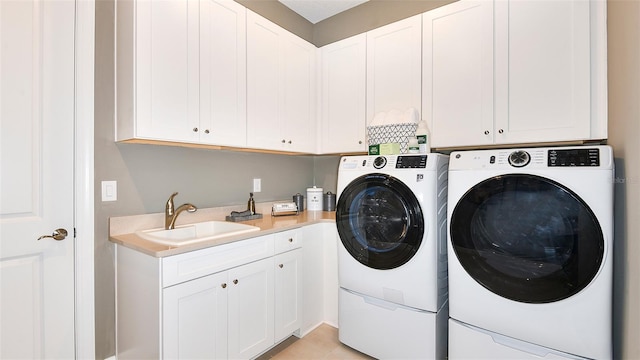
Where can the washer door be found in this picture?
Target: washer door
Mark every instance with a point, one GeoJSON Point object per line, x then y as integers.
{"type": "Point", "coordinates": [527, 238]}
{"type": "Point", "coordinates": [379, 221]}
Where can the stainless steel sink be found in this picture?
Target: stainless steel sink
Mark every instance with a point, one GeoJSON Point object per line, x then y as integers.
{"type": "Point", "coordinates": [193, 233]}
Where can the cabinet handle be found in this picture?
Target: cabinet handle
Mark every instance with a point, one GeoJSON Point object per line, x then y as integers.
{"type": "Point", "coordinates": [280, 266]}
{"type": "Point", "coordinates": [235, 282]}
{"type": "Point", "coordinates": [206, 131]}
{"type": "Point", "coordinates": [486, 132]}
{"type": "Point", "coordinates": [500, 131]}
{"type": "Point", "coordinates": [224, 285]}
{"type": "Point", "coordinates": [289, 141]}
{"type": "Point", "coordinates": [284, 141]}
{"type": "Point", "coordinates": [290, 240]}
{"type": "Point", "coordinates": [195, 129]}
{"type": "Point", "coordinates": [360, 142]}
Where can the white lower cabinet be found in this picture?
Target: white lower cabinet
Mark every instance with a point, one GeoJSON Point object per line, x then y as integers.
{"type": "Point", "coordinates": [224, 315]}
{"type": "Point", "coordinates": [232, 301]}
{"type": "Point", "coordinates": [194, 319]}
{"type": "Point", "coordinates": [288, 293]}
{"type": "Point", "coordinates": [250, 309]}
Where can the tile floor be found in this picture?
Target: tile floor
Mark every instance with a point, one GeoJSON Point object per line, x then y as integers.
{"type": "Point", "coordinates": [321, 344]}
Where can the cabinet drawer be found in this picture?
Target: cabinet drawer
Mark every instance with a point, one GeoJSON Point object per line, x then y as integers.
{"type": "Point", "coordinates": [287, 240]}
{"type": "Point", "coordinates": [187, 266]}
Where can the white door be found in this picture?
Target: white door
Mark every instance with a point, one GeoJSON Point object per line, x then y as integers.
{"type": "Point", "coordinates": [36, 179]}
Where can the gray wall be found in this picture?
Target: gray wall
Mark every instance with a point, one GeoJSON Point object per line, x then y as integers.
{"type": "Point", "coordinates": [624, 135]}
{"type": "Point", "coordinates": [148, 174]}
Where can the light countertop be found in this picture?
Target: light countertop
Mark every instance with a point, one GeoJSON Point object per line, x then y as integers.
{"type": "Point", "coordinates": [122, 230]}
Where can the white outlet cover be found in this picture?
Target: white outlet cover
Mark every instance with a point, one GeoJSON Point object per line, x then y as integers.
{"type": "Point", "coordinates": [257, 185]}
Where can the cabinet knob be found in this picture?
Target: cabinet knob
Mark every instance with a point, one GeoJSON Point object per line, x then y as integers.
{"type": "Point", "coordinates": [235, 282]}
{"type": "Point", "coordinates": [486, 132]}
{"type": "Point", "coordinates": [195, 129]}
{"type": "Point", "coordinates": [284, 141]}
{"type": "Point", "coordinates": [290, 240]}
{"type": "Point", "coordinates": [280, 266]}
{"type": "Point", "coordinates": [206, 131]}
{"type": "Point", "coordinates": [289, 141]}
{"type": "Point", "coordinates": [224, 285]}
{"type": "Point", "coordinates": [500, 131]}
{"type": "Point", "coordinates": [360, 142]}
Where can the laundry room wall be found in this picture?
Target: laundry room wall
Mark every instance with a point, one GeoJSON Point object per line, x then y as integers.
{"type": "Point", "coordinates": [148, 174]}
{"type": "Point", "coordinates": [624, 135]}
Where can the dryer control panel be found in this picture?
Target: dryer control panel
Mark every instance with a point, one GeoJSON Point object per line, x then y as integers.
{"type": "Point", "coordinates": [574, 157]}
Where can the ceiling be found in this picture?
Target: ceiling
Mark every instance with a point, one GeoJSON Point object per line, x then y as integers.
{"type": "Point", "coordinates": [318, 10]}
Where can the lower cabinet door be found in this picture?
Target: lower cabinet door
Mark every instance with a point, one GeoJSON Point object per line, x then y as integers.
{"type": "Point", "coordinates": [251, 302]}
{"type": "Point", "coordinates": [194, 319]}
{"type": "Point", "coordinates": [288, 293]}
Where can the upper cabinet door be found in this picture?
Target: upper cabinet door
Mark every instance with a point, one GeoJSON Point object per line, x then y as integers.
{"type": "Point", "coordinates": [281, 87]}
{"type": "Point", "coordinates": [223, 73]}
{"type": "Point", "coordinates": [299, 95]}
{"type": "Point", "coordinates": [264, 82]}
{"type": "Point", "coordinates": [343, 95]}
{"type": "Point", "coordinates": [394, 66]}
{"type": "Point", "coordinates": [543, 82]}
{"type": "Point", "coordinates": [166, 69]}
{"type": "Point", "coordinates": [458, 73]}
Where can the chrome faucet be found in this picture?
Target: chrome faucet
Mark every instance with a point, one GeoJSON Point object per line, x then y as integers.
{"type": "Point", "coordinates": [170, 215]}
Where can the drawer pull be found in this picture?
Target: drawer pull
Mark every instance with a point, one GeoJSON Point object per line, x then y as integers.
{"type": "Point", "coordinates": [280, 266]}
{"type": "Point", "coordinates": [235, 281]}
{"type": "Point", "coordinates": [290, 240]}
{"type": "Point", "coordinates": [224, 285]}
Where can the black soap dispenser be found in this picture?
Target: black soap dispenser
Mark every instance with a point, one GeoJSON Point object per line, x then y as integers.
{"type": "Point", "coordinates": [251, 204]}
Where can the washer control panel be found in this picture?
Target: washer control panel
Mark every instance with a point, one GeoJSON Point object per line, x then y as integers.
{"type": "Point", "coordinates": [574, 157]}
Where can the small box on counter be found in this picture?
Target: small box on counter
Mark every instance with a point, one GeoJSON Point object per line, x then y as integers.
{"type": "Point", "coordinates": [384, 149]}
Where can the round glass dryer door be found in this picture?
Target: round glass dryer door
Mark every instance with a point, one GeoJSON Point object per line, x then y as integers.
{"type": "Point", "coordinates": [527, 238]}
{"type": "Point", "coordinates": [379, 221]}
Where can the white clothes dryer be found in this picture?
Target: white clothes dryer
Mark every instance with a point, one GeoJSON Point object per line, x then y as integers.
{"type": "Point", "coordinates": [531, 246]}
{"type": "Point", "coordinates": [392, 270]}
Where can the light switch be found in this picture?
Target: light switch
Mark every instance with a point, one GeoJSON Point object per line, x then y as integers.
{"type": "Point", "coordinates": [257, 185]}
{"type": "Point", "coordinates": [109, 190]}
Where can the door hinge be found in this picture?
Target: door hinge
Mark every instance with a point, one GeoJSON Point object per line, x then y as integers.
{"type": "Point", "coordinates": [74, 233]}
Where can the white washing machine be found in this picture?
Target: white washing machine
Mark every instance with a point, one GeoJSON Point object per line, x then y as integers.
{"type": "Point", "coordinates": [530, 252]}
{"type": "Point", "coordinates": [392, 270]}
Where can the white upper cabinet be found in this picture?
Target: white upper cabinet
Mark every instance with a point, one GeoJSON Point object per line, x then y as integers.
{"type": "Point", "coordinates": [458, 73]}
{"type": "Point", "coordinates": [157, 70]}
{"type": "Point", "coordinates": [542, 79]}
{"type": "Point", "coordinates": [181, 73]}
{"type": "Point", "coordinates": [510, 72]}
{"type": "Point", "coordinates": [281, 87]}
{"type": "Point", "coordinates": [394, 66]}
{"type": "Point", "coordinates": [223, 73]}
{"type": "Point", "coordinates": [342, 98]}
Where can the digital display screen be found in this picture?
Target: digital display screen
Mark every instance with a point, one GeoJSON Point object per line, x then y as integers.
{"type": "Point", "coordinates": [574, 157]}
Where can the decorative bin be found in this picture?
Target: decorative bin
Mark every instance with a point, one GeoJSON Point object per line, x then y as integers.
{"type": "Point", "coordinates": [396, 133]}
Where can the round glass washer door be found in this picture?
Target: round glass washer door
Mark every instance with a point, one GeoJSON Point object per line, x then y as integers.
{"type": "Point", "coordinates": [527, 238]}
{"type": "Point", "coordinates": [379, 221]}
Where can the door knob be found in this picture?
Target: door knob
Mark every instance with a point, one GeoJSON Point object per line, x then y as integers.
{"type": "Point", "coordinates": [58, 234]}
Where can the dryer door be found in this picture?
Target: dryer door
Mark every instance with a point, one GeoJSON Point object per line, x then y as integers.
{"type": "Point", "coordinates": [527, 238]}
{"type": "Point", "coordinates": [380, 221]}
